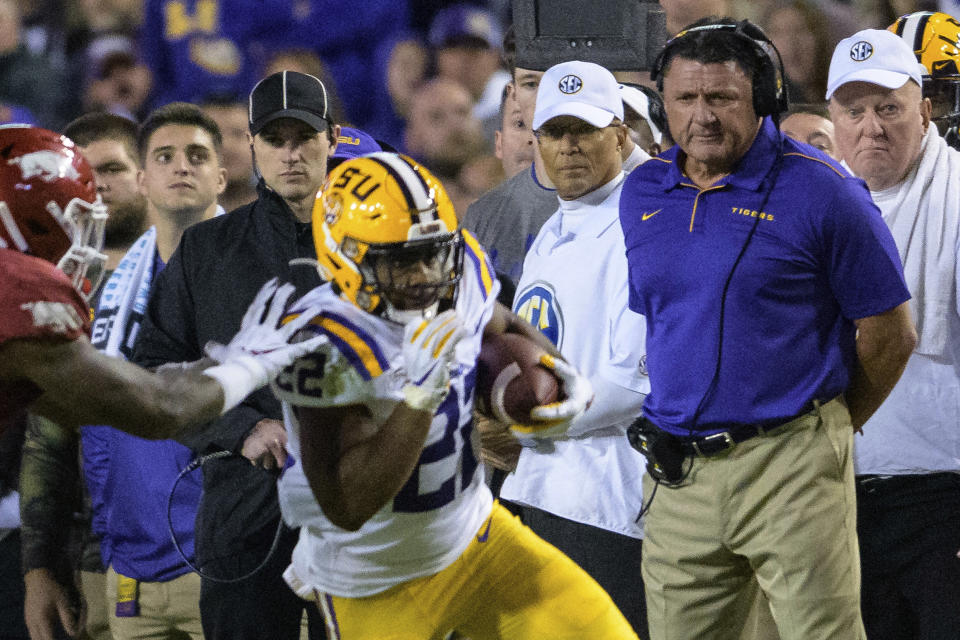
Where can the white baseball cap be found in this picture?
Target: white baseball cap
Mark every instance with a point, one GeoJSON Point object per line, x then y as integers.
{"type": "Point", "coordinates": [876, 56]}
{"type": "Point", "coordinates": [638, 101]}
{"type": "Point", "coordinates": [580, 89]}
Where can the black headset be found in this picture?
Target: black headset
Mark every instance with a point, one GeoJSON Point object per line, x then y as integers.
{"type": "Point", "coordinates": [769, 91]}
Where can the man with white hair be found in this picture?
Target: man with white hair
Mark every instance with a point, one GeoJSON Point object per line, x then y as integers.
{"type": "Point", "coordinates": [908, 461]}
{"type": "Point", "coordinates": [581, 492]}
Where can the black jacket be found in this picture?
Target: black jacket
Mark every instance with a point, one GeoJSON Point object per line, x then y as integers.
{"type": "Point", "coordinates": [200, 296]}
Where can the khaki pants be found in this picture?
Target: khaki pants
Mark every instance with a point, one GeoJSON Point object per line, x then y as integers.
{"type": "Point", "coordinates": [93, 588]}
{"type": "Point", "coordinates": [169, 610]}
{"type": "Point", "coordinates": [779, 508]}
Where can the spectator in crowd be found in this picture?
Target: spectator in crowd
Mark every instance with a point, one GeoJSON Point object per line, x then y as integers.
{"type": "Point", "coordinates": [120, 84]}
{"type": "Point", "coordinates": [580, 492]}
{"type": "Point", "coordinates": [15, 114]}
{"type": "Point", "coordinates": [441, 131]}
{"type": "Point", "coordinates": [356, 47]}
{"type": "Point", "coordinates": [800, 31]}
{"type": "Point", "coordinates": [406, 70]}
{"type": "Point", "coordinates": [109, 143]}
{"type": "Point", "coordinates": [198, 297]}
{"type": "Point", "coordinates": [632, 153]}
{"type": "Point", "coordinates": [680, 13]}
{"type": "Point", "coordinates": [230, 114]}
{"type": "Point", "coordinates": [480, 174]}
{"type": "Point", "coordinates": [152, 590]}
{"type": "Point", "coordinates": [811, 124]}
{"type": "Point", "coordinates": [513, 140]}
{"type": "Point", "coordinates": [198, 48]}
{"type": "Point", "coordinates": [51, 481]}
{"type": "Point", "coordinates": [935, 39]}
{"type": "Point", "coordinates": [645, 120]}
{"type": "Point", "coordinates": [27, 80]}
{"type": "Point", "coordinates": [182, 174]}
{"type": "Point", "coordinates": [506, 219]}
{"type": "Point", "coordinates": [908, 474]}
{"type": "Point", "coordinates": [385, 485]}
{"type": "Point", "coordinates": [466, 42]}
{"type": "Point", "coordinates": [352, 143]}
{"type": "Point", "coordinates": [748, 427]}
{"type": "Point", "coordinates": [64, 578]}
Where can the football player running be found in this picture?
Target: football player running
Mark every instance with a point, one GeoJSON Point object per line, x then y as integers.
{"type": "Point", "coordinates": [51, 234]}
{"type": "Point", "coordinates": [399, 535]}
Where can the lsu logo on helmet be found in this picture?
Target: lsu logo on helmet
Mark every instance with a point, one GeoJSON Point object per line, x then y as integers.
{"type": "Point", "coordinates": [387, 236]}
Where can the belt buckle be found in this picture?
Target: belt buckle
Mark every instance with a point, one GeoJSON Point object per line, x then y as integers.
{"type": "Point", "coordinates": [722, 436]}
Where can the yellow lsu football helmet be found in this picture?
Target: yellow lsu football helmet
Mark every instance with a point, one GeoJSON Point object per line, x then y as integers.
{"type": "Point", "coordinates": [935, 39]}
{"type": "Point", "coordinates": [387, 237]}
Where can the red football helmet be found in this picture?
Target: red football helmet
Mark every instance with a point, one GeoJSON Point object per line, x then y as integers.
{"type": "Point", "coordinates": [49, 207]}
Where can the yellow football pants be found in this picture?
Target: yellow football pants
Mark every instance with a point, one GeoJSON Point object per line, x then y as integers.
{"type": "Point", "coordinates": [507, 585]}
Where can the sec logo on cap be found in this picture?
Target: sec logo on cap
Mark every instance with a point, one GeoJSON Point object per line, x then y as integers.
{"type": "Point", "coordinates": [570, 84]}
{"type": "Point", "coordinates": [861, 51]}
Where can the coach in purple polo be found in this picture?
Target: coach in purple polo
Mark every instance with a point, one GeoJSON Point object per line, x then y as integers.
{"type": "Point", "coordinates": [776, 324]}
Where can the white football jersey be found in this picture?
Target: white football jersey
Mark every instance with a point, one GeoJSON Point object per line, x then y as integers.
{"type": "Point", "coordinates": [432, 519]}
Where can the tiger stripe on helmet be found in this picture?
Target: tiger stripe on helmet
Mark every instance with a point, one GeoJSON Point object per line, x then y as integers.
{"type": "Point", "coordinates": [415, 190]}
{"type": "Point", "coordinates": [911, 28]}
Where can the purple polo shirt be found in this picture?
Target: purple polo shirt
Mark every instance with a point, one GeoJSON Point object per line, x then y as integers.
{"type": "Point", "coordinates": [821, 257]}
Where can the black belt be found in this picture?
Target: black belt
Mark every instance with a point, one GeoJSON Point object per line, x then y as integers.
{"type": "Point", "coordinates": [725, 440]}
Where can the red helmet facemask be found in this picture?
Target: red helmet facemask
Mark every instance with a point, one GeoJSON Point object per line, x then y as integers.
{"type": "Point", "coordinates": [49, 207]}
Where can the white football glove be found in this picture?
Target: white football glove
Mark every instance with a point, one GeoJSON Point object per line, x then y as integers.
{"type": "Point", "coordinates": [428, 352]}
{"type": "Point", "coordinates": [260, 349]}
{"type": "Point", "coordinates": [553, 419]}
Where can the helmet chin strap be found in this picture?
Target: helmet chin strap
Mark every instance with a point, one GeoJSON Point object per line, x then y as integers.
{"type": "Point", "coordinates": [405, 316]}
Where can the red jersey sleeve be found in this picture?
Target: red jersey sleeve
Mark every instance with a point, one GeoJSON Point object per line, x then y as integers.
{"type": "Point", "coordinates": [38, 300]}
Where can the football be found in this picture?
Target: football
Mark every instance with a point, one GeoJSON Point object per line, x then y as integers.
{"type": "Point", "coordinates": [510, 379]}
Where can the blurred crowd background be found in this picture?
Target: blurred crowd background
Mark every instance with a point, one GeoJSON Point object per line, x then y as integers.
{"type": "Point", "coordinates": [424, 76]}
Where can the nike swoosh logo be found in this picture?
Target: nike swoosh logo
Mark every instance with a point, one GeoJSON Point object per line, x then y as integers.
{"type": "Point", "coordinates": [940, 65]}
{"type": "Point", "coordinates": [647, 216]}
{"type": "Point", "coordinates": [482, 537]}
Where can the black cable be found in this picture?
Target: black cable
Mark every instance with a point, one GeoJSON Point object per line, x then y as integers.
{"type": "Point", "coordinates": [775, 174]}
{"type": "Point", "coordinates": [194, 464]}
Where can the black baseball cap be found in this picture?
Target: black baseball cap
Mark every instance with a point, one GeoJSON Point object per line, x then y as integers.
{"type": "Point", "coordinates": [288, 94]}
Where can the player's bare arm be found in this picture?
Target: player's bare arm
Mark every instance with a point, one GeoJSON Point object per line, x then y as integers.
{"type": "Point", "coordinates": [354, 465]}
{"type": "Point", "coordinates": [81, 386]}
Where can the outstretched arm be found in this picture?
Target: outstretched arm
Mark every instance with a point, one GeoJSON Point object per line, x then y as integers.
{"type": "Point", "coordinates": [79, 385]}
{"type": "Point", "coordinates": [82, 386]}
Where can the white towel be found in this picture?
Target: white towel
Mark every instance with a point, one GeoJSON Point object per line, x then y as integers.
{"type": "Point", "coordinates": [124, 298]}
{"type": "Point", "coordinates": [924, 217]}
